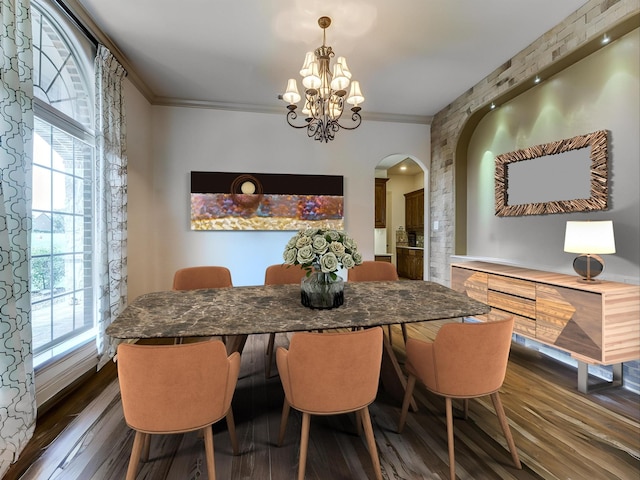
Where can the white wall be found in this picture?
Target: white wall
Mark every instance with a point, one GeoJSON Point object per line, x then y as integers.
{"type": "Point", "coordinates": [601, 92]}
{"type": "Point", "coordinates": [192, 139]}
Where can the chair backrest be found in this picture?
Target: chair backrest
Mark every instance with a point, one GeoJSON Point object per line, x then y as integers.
{"type": "Point", "coordinates": [372, 271]}
{"type": "Point", "coordinates": [168, 388]}
{"type": "Point", "coordinates": [283, 274]}
{"type": "Point", "coordinates": [331, 372]}
{"type": "Point", "coordinates": [471, 359]}
{"type": "Point", "coordinates": [193, 278]}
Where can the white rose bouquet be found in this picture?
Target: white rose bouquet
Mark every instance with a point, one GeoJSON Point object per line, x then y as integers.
{"type": "Point", "coordinates": [321, 250]}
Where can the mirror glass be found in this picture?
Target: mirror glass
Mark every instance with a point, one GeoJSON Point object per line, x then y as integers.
{"type": "Point", "coordinates": [564, 176]}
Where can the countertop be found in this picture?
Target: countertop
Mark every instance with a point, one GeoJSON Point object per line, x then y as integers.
{"type": "Point", "coordinates": [410, 248]}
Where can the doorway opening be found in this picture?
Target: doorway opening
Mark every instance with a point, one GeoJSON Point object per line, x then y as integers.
{"type": "Point", "coordinates": [404, 181]}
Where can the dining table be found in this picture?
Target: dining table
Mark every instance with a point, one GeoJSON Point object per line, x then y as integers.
{"type": "Point", "coordinates": [236, 312]}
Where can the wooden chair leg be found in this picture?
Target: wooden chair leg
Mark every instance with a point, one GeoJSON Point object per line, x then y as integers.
{"type": "Point", "coordinates": [358, 422]}
{"type": "Point", "coordinates": [231, 426]}
{"type": "Point", "coordinates": [465, 408]}
{"type": "Point", "coordinates": [146, 446]}
{"type": "Point", "coordinates": [405, 335]}
{"type": "Point", "coordinates": [208, 447]}
{"type": "Point", "coordinates": [269, 354]}
{"type": "Point", "coordinates": [497, 404]}
{"type": "Point", "coordinates": [411, 383]}
{"type": "Point", "coordinates": [389, 333]}
{"type": "Point", "coordinates": [304, 444]}
{"type": "Point", "coordinates": [138, 442]}
{"type": "Point", "coordinates": [371, 441]}
{"type": "Point", "coordinates": [283, 422]}
{"type": "Point", "coordinates": [452, 460]}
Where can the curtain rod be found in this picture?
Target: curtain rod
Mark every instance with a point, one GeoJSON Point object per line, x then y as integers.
{"type": "Point", "coordinates": [87, 33]}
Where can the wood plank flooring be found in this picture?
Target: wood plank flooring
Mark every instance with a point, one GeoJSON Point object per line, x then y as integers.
{"type": "Point", "coordinates": [559, 432]}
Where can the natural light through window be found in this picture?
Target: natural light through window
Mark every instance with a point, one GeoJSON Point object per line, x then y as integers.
{"type": "Point", "coordinates": [62, 238]}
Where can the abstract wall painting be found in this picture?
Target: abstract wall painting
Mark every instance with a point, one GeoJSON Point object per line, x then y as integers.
{"type": "Point", "coordinates": [265, 201]}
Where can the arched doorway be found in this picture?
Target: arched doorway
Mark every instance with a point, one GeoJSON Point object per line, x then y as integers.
{"type": "Point", "coordinates": [406, 176]}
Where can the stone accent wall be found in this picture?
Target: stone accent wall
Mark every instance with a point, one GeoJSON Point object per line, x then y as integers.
{"type": "Point", "coordinates": [584, 25]}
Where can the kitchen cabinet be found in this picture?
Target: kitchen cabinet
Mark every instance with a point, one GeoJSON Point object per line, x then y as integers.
{"type": "Point", "coordinates": [381, 203]}
{"type": "Point", "coordinates": [414, 211]}
{"type": "Point", "coordinates": [382, 258]}
{"type": "Point", "coordinates": [410, 263]}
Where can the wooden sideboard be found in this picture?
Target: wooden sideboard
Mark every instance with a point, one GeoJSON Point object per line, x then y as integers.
{"type": "Point", "coordinates": [595, 323]}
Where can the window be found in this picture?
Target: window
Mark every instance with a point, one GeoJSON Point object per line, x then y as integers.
{"type": "Point", "coordinates": [63, 235]}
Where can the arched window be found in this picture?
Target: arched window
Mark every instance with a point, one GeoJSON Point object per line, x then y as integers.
{"type": "Point", "coordinates": [62, 239]}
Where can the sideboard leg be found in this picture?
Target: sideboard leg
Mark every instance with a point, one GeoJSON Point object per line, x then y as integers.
{"type": "Point", "coordinates": [583, 378]}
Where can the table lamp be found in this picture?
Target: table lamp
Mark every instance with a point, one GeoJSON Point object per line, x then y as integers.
{"type": "Point", "coordinates": [588, 239]}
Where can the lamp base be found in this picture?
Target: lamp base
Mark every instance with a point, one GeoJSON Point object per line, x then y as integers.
{"type": "Point", "coordinates": [588, 266]}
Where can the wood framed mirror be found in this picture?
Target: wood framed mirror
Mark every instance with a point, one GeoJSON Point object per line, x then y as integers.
{"type": "Point", "coordinates": [568, 175]}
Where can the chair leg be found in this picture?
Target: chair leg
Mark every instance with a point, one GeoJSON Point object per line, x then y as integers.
{"type": "Point", "coordinates": [283, 422]}
{"type": "Point", "coordinates": [208, 447]}
{"type": "Point", "coordinates": [358, 422]}
{"type": "Point", "coordinates": [465, 408]}
{"type": "Point", "coordinates": [389, 333]}
{"type": "Point", "coordinates": [497, 404]}
{"type": "Point", "coordinates": [304, 444]}
{"type": "Point", "coordinates": [371, 441]}
{"type": "Point", "coordinates": [269, 354]}
{"type": "Point", "coordinates": [231, 426]}
{"type": "Point", "coordinates": [405, 335]}
{"type": "Point", "coordinates": [146, 446]}
{"type": "Point", "coordinates": [452, 460]}
{"type": "Point", "coordinates": [411, 383]}
{"type": "Point", "coordinates": [138, 442]}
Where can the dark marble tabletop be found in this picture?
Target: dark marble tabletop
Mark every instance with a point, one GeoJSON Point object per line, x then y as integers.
{"type": "Point", "coordinates": [277, 308]}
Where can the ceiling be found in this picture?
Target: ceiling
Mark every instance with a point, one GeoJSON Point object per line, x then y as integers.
{"type": "Point", "coordinates": [412, 57]}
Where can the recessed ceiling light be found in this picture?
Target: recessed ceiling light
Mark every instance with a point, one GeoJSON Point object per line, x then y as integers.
{"type": "Point", "coordinates": [493, 105]}
{"type": "Point", "coordinates": [605, 39]}
{"type": "Point", "coordinates": [537, 79]}
{"type": "Point", "coordinates": [403, 167]}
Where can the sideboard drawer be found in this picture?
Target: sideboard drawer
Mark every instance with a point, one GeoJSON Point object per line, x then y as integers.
{"type": "Point", "coordinates": [522, 325]}
{"type": "Point", "coordinates": [514, 286]}
{"type": "Point", "coordinates": [513, 304]}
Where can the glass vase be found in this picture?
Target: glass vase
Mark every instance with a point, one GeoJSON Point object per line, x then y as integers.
{"type": "Point", "coordinates": [320, 291]}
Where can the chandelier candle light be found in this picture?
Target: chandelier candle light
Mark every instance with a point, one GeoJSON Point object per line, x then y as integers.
{"type": "Point", "coordinates": [325, 91]}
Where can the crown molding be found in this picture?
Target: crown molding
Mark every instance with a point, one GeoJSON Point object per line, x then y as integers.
{"type": "Point", "coordinates": [83, 17]}
{"type": "Point", "coordinates": [278, 110]}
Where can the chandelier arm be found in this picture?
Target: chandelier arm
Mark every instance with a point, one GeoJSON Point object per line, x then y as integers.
{"type": "Point", "coordinates": [355, 116]}
{"type": "Point", "coordinates": [292, 115]}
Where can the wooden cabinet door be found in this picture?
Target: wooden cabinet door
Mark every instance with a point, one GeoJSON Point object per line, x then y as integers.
{"type": "Point", "coordinates": [381, 202]}
{"type": "Point", "coordinates": [414, 211]}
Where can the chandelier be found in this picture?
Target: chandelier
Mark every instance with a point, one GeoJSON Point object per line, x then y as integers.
{"type": "Point", "coordinates": [325, 92]}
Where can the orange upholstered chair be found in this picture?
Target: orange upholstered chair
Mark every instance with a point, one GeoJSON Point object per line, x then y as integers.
{"type": "Point", "coordinates": [372, 271]}
{"type": "Point", "coordinates": [466, 360]}
{"type": "Point", "coordinates": [193, 278]}
{"type": "Point", "coordinates": [331, 373]}
{"type": "Point", "coordinates": [280, 274]}
{"type": "Point", "coordinates": [176, 389]}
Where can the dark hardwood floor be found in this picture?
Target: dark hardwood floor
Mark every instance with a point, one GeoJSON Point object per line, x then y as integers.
{"type": "Point", "coordinates": [559, 432]}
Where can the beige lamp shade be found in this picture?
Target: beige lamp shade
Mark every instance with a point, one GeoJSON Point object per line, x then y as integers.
{"type": "Point", "coordinates": [291, 96]}
{"type": "Point", "coordinates": [355, 94]}
{"type": "Point", "coordinates": [593, 237]}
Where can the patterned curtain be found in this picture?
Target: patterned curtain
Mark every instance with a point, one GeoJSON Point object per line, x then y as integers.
{"type": "Point", "coordinates": [17, 390]}
{"type": "Point", "coordinates": [111, 196]}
